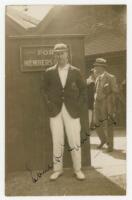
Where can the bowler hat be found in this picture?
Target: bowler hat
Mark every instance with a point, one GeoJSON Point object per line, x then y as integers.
{"type": "Point", "coordinates": [60, 47]}
{"type": "Point", "coordinates": [100, 62]}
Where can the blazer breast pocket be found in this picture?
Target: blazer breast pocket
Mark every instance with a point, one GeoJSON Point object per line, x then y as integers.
{"type": "Point", "coordinates": [74, 86]}
{"type": "Point", "coordinates": [107, 89]}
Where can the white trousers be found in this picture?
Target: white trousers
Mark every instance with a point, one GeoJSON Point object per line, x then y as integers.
{"type": "Point", "coordinates": [72, 128]}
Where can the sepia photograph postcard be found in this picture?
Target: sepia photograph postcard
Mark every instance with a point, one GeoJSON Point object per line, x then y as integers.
{"type": "Point", "coordinates": [65, 99]}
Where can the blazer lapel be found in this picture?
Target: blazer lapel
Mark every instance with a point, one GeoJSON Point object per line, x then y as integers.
{"type": "Point", "coordinates": [69, 75]}
{"type": "Point", "coordinates": [104, 79]}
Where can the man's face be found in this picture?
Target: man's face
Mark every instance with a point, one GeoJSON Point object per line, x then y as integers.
{"type": "Point", "coordinates": [98, 70]}
{"type": "Point", "coordinates": [61, 57]}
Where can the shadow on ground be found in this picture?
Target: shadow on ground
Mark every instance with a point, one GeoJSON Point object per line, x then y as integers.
{"type": "Point", "coordinates": [20, 184]}
{"type": "Point", "coordinates": [117, 153]}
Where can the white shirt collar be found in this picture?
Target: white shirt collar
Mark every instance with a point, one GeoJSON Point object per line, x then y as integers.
{"type": "Point", "coordinates": [64, 68]}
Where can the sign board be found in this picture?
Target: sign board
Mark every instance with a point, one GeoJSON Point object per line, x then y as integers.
{"type": "Point", "coordinates": [36, 58]}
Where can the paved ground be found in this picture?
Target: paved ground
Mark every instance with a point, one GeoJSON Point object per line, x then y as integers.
{"type": "Point", "coordinates": [107, 176]}
{"type": "Point", "coordinates": [112, 165]}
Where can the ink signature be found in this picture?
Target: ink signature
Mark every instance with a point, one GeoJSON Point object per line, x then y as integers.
{"type": "Point", "coordinates": [57, 158]}
{"type": "Point", "coordinates": [40, 173]}
{"type": "Point", "coordinates": [83, 140]}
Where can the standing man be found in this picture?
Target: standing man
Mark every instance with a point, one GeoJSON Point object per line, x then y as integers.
{"type": "Point", "coordinates": [65, 93]}
{"type": "Point", "coordinates": [104, 104]}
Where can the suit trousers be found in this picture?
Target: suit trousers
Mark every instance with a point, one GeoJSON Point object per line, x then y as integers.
{"type": "Point", "coordinates": [104, 123]}
{"type": "Point", "coordinates": [106, 136]}
{"type": "Point", "coordinates": [63, 121]}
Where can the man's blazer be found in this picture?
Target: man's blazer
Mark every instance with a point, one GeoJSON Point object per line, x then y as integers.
{"type": "Point", "coordinates": [73, 95]}
{"type": "Point", "coordinates": [106, 89]}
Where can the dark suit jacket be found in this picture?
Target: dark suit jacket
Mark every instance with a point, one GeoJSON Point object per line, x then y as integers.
{"type": "Point", "coordinates": [90, 94]}
{"type": "Point", "coordinates": [105, 93]}
{"type": "Point", "coordinates": [72, 95]}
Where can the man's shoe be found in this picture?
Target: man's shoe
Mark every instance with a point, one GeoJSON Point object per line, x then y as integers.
{"type": "Point", "coordinates": [109, 149]}
{"type": "Point", "coordinates": [101, 145]}
{"type": "Point", "coordinates": [55, 175]}
{"type": "Point", "coordinates": [80, 175]}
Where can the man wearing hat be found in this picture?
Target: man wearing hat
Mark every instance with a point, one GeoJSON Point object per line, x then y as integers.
{"type": "Point", "coordinates": [65, 93]}
{"type": "Point", "coordinates": [104, 103]}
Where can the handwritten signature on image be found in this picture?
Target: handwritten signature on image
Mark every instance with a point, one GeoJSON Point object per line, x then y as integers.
{"type": "Point", "coordinates": [57, 158]}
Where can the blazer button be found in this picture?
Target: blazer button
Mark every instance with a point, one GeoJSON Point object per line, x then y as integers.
{"type": "Point", "coordinates": [63, 90]}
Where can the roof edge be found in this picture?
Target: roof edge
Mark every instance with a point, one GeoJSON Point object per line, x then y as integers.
{"type": "Point", "coordinates": [45, 36]}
